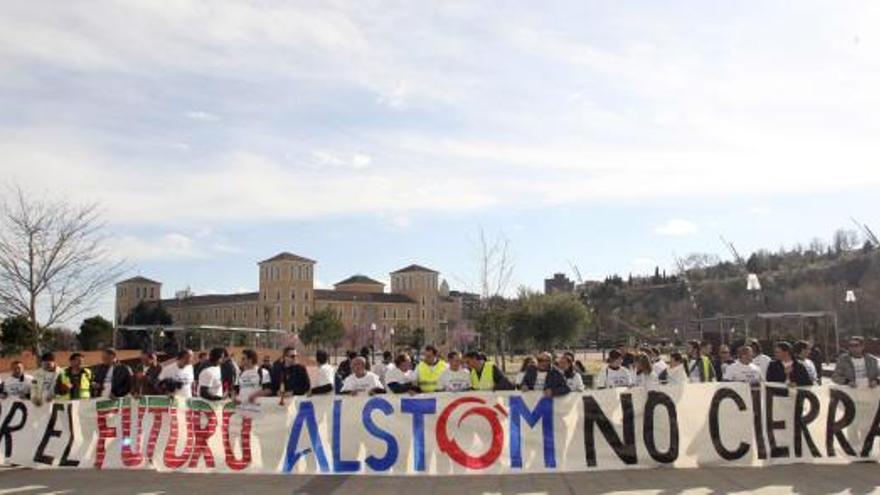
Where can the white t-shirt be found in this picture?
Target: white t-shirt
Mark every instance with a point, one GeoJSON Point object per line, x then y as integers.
{"type": "Point", "coordinates": [396, 375]}
{"type": "Point", "coordinates": [455, 381]}
{"type": "Point", "coordinates": [610, 378]}
{"type": "Point", "coordinates": [741, 372]}
{"type": "Point", "coordinates": [860, 369]}
{"type": "Point", "coordinates": [252, 381]}
{"type": "Point", "coordinates": [210, 377]}
{"type": "Point", "coordinates": [183, 375]}
{"type": "Point", "coordinates": [369, 381]}
{"type": "Point", "coordinates": [575, 382]}
{"type": "Point", "coordinates": [762, 361]}
{"type": "Point", "coordinates": [519, 378]}
{"type": "Point", "coordinates": [645, 379]}
{"type": "Point", "coordinates": [381, 369]}
{"type": "Point", "coordinates": [811, 370]}
{"type": "Point", "coordinates": [18, 388]}
{"type": "Point", "coordinates": [676, 375]}
{"type": "Point", "coordinates": [660, 366]}
{"type": "Point", "coordinates": [44, 384]}
{"type": "Point", "coordinates": [540, 379]}
{"type": "Point", "coordinates": [326, 375]}
{"type": "Point", "coordinates": [108, 383]}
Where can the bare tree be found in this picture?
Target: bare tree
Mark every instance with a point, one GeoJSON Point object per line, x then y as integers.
{"type": "Point", "coordinates": [54, 260]}
{"type": "Point", "coordinates": [495, 267]}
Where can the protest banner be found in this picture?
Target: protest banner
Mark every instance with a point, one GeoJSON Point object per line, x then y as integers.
{"type": "Point", "coordinates": [725, 424]}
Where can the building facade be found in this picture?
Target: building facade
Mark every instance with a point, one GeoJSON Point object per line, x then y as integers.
{"type": "Point", "coordinates": [287, 296]}
{"type": "Point", "coordinates": [559, 283]}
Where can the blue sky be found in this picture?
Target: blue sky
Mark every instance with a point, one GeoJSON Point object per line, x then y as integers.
{"type": "Point", "coordinates": [369, 135]}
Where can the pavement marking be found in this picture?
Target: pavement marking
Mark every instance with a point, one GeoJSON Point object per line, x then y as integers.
{"type": "Point", "coordinates": [25, 488]}
{"type": "Point", "coordinates": [59, 492]}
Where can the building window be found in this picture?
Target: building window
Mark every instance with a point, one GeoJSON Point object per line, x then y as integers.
{"type": "Point", "coordinates": [395, 313]}
{"type": "Point", "coordinates": [293, 294]}
{"type": "Point", "coordinates": [306, 295]}
{"type": "Point", "coordinates": [408, 314]}
{"type": "Point", "coordinates": [299, 272]}
{"type": "Point", "coordinates": [384, 313]}
{"type": "Point", "coordinates": [152, 292]}
{"type": "Point", "coordinates": [423, 314]}
{"type": "Point", "coordinates": [278, 311]}
{"type": "Point", "coordinates": [292, 310]}
{"type": "Point", "coordinates": [277, 295]}
{"type": "Point", "coordinates": [292, 328]}
{"type": "Point", "coordinates": [277, 325]}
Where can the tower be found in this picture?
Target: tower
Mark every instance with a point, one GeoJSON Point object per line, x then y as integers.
{"type": "Point", "coordinates": [420, 284]}
{"type": "Point", "coordinates": [287, 289]}
{"type": "Point", "coordinates": [133, 291]}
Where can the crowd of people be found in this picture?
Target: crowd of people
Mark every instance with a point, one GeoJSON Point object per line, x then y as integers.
{"type": "Point", "coordinates": [216, 375]}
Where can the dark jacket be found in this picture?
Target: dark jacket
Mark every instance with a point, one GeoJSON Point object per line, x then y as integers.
{"type": "Point", "coordinates": [554, 382]}
{"type": "Point", "coordinates": [295, 379]}
{"type": "Point", "coordinates": [120, 382]}
{"type": "Point", "coordinates": [799, 374]}
{"type": "Point", "coordinates": [147, 381]}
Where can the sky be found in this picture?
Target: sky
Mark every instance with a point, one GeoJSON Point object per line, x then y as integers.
{"type": "Point", "coordinates": [370, 135]}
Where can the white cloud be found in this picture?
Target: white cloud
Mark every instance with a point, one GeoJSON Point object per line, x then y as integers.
{"type": "Point", "coordinates": [676, 227]}
{"type": "Point", "coordinates": [167, 246]}
{"type": "Point", "coordinates": [354, 161]}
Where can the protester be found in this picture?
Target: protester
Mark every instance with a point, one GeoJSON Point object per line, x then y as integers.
{"type": "Point", "coordinates": [201, 364]}
{"type": "Point", "coordinates": [801, 352]}
{"type": "Point", "coordinates": [455, 378]}
{"type": "Point", "coordinates": [722, 361]}
{"type": "Point", "coordinates": [614, 374]}
{"type": "Point", "coordinates": [45, 378]}
{"type": "Point", "coordinates": [760, 359]}
{"type": "Point", "coordinates": [743, 369]}
{"type": "Point", "coordinates": [253, 381]}
{"type": "Point", "coordinates": [429, 370]}
{"type": "Point", "coordinates": [361, 381]}
{"type": "Point", "coordinates": [786, 369]}
{"type": "Point", "coordinates": [382, 367]}
{"type": "Point", "coordinates": [326, 382]}
{"type": "Point", "coordinates": [486, 375]}
{"type": "Point", "coordinates": [229, 372]}
{"type": "Point", "coordinates": [75, 381]}
{"type": "Point", "coordinates": [211, 377]}
{"type": "Point", "coordinates": [401, 378]}
{"type": "Point", "coordinates": [676, 373]}
{"type": "Point", "coordinates": [569, 370]}
{"type": "Point", "coordinates": [289, 377]}
{"type": "Point", "coordinates": [700, 366]}
{"type": "Point", "coordinates": [112, 378]}
{"type": "Point", "coordinates": [18, 385]}
{"type": "Point", "coordinates": [660, 365]}
{"type": "Point", "coordinates": [146, 380]}
{"type": "Point", "coordinates": [267, 363]}
{"type": "Point", "coordinates": [177, 378]}
{"type": "Point", "coordinates": [818, 359]}
{"type": "Point", "coordinates": [344, 368]}
{"type": "Point", "coordinates": [644, 372]}
{"type": "Point", "coordinates": [528, 362]}
{"type": "Point", "coordinates": [855, 367]}
{"type": "Point", "coordinates": [545, 377]}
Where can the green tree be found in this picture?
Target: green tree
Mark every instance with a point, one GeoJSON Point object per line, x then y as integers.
{"type": "Point", "coordinates": [16, 335]}
{"type": "Point", "coordinates": [323, 327]}
{"type": "Point", "coordinates": [94, 332]}
{"type": "Point", "coordinates": [549, 320]}
{"type": "Point", "coordinates": [148, 313]}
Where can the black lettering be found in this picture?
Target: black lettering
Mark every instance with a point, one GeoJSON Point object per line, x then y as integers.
{"type": "Point", "coordinates": [801, 432]}
{"type": "Point", "coordinates": [66, 461]}
{"type": "Point", "coordinates": [834, 428]}
{"type": "Point", "coordinates": [758, 421]}
{"type": "Point", "coordinates": [873, 433]}
{"type": "Point", "coordinates": [776, 451]}
{"type": "Point", "coordinates": [655, 400]}
{"type": "Point", "coordinates": [715, 425]}
{"type": "Point", "coordinates": [593, 416]}
{"type": "Point", "coordinates": [50, 432]}
{"type": "Point", "coordinates": [7, 428]}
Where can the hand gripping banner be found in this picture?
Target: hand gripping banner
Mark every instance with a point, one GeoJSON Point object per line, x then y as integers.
{"type": "Point", "coordinates": [469, 433]}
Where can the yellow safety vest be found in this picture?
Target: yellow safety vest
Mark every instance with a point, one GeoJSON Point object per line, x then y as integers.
{"type": "Point", "coordinates": [429, 376]}
{"type": "Point", "coordinates": [486, 379]}
{"type": "Point", "coordinates": [85, 381]}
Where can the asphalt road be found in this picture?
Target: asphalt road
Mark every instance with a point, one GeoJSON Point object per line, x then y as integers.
{"type": "Point", "coordinates": [852, 479]}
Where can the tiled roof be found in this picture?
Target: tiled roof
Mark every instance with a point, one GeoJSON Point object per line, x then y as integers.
{"type": "Point", "coordinates": [415, 268]}
{"type": "Point", "coordinates": [211, 299]}
{"type": "Point", "coordinates": [376, 297]}
{"type": "Point", "coordinates": [286, 256]}
{"type": "Point", "coordinates": [138, 280]}
{"type": "Point", "coordinates": [359, 279]}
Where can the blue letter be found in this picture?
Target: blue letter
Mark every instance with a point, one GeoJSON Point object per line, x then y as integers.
{"type": "Point", "coordinates": [544, 412]}
{"type": "Point", "coordinates": [339, 465]}
{"type": "Point", "coordinates": [418, 408]}
{"type": "Point", "coordinates": [305, 415]}
{"type": "Point", "coordinates": [380, 463]}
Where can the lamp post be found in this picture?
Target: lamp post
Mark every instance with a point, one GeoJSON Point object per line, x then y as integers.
{"type": "Point", "coordinates": [852, 302]}
{"type": "Point", "coordinates": [372, 343]}
{"type": "Point", "coordinates": [391, 334]}
{"type": "Point", "coordinates": [753, 286]}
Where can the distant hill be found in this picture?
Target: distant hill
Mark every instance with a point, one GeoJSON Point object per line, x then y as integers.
{"type": "Point", "coordinates": [812, 278]}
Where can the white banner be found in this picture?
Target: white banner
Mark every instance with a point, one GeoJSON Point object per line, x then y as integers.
{"type": "Point", "coordinates": [470, 433]}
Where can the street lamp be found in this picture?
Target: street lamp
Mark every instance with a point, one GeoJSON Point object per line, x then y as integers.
{"type": "Point", "coordinates": [373, 342]}
{"type": "Point", "coordinates": [850, 297]}
{"type": "Point", "coordinates": [391, 334]}
{"type": "Point", "coordinates": [753, 283]}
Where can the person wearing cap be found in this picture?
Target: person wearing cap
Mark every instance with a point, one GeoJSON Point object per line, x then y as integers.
{"type": "Point", "coordinates": [289, 377]}
{"type": "Point", "coordinates": [75, 381]}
